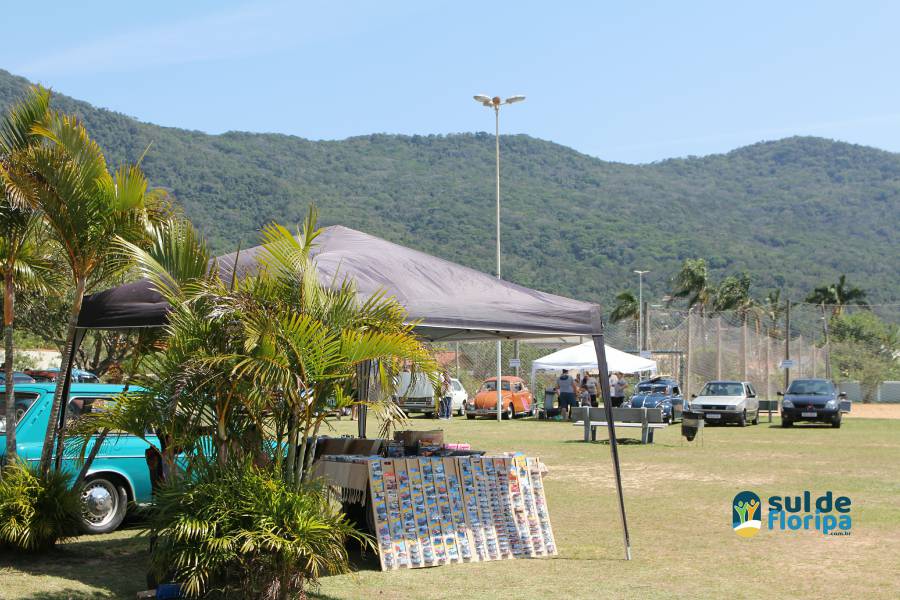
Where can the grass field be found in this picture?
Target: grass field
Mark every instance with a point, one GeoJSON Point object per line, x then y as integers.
{"type": "Point", "coordinates": [678, 498]}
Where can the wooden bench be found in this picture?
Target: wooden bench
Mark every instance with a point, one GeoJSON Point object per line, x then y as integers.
{"type": "Point", "coordinates": [648, 419]}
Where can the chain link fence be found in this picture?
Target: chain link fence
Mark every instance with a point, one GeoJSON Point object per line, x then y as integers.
{"type": "Point", "coordinates": [856, 346]}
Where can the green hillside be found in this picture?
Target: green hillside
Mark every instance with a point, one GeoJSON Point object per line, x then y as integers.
{"type": "Point", "coordinates": [794, 213]}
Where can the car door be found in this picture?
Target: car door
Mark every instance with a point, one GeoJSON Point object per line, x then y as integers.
{"type": "Point", "coordinates": [677, 402]}
{"type": "Point", "coordinates": [458, 395]}
{"type": "Point", "coordinates": [752, 400]}
{"type": "Point", "coordinates": [121, 453]}
{"type": "Point", "coordinates": [527, 399]}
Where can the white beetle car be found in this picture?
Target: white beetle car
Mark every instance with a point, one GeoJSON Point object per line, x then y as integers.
{"type": "Point", "coordinates": [723, 401]}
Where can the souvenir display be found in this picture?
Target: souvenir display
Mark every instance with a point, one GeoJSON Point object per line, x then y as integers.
{"type": "Point", "coordinates": [430, 511]}
{"type": "Point", "coordinates": [407, 515]}
{"type": "Point", "coordinates": [540, 503]}
{"type": "Point", "coordinates": [380, 512]}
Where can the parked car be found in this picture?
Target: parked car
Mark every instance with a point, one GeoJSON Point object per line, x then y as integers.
{"type": "Point", "coordinates": [659, 392]}
{"type": "Point", "coordinates": [50, 375]}
{"type": "Point", "coordinates": [723, 401]}
{"type": "Point", "coordinates": [415, 394]}
{"type": "Point", "coordinates": [459, 397]}
{"type": "Point", "coordinates": [119, 474]}
{"type": "Point", "coordinates": [516, 399]}
{"type": "Point", "coordinates": [816, 400]}
{"type": "Point", "coordinates": [18, 377]}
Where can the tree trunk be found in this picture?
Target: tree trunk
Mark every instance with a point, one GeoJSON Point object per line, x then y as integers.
{"type": "Point", "coordinates": [293, 424]}
{"type": "Point", "coordinates": [52, 423]}
{"type": "Point", "coordinates": [9, 297]}
{"type": "Point", "coordinates": [95, 449]}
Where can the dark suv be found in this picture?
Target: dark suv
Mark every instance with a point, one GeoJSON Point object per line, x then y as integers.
{"type": "Point", "coordinates": [659, 392]}
{"type": "Point", "coordinates": [816, 400]}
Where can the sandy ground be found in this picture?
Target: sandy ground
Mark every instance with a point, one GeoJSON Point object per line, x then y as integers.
{"type": "Point", "coordinates": [875, 411]}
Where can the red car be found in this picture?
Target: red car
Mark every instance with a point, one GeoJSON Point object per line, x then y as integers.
{"type": "Point", "coordinates": [516, 399]}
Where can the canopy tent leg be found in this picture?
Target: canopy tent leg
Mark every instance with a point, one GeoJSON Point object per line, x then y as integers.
{"type": "Point", "coordinates": [64, 404]}
{"type": "Point", "coordinates": [600, 348]}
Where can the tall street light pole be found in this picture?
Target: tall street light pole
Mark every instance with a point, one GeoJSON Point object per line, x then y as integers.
{"type": "Point", "coordinates": [496, 103]}
{"type": "Point", "coordinates": [640, 343]}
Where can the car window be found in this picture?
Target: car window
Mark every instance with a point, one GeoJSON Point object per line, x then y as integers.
{"type": "Point", "coordinates": [811, 387]}
{"type": "Point", "coordinates": [491, 386]}
{"type": "Point", "coordinates": [751, 392]}
{"type": "Point", "coordinates": [676, 391]}
{"type": "Point", "coordinates": [456, 385]}
{"type": "Point", "coordinates": [83, 405]}
{"type": "Point", "coordinates": [722, 388]}
{"type": "Point", "coordinates": [24, 401]}
{"type": "Point", "coordinates": [518, 387]}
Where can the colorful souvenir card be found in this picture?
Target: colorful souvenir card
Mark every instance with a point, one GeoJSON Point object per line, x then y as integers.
{"type": "Point", "coordinates": [407, 515]}
{"type": "Point", "coordinates": [423, 530]}
{"type": "Point", "coordinates": [380, 516]}
{"type": "Point", "coordinates": [458, 511]}
{"type": "Point", "coordinates": [433, 511]}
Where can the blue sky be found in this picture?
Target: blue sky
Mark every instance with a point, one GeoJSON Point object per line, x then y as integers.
{"type": "Point", "coordinates": [625, 81]}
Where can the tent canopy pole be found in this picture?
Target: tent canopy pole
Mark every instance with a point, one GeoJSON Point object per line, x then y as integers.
{"type": "Point", "coordinates": [600, 347]}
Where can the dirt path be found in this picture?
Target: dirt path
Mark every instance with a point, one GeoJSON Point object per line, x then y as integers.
{"type": "Point", "coordinates": [875, 411]}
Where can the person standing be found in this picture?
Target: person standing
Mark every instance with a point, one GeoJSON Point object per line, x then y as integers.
{"type": "Point", "coordinates": [592, 385]}
{"type": "Point", "coordinates": [445, 411]}
{"type": "Point", "coordinates": [565, 387]}
{"type": "Point", "coordinates": [617, 385]}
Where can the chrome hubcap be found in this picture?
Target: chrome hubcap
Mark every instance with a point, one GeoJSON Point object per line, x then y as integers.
{"type": "Point", "coordinates": [99, 502]}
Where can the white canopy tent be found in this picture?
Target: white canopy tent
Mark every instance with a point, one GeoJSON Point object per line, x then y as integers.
{"type": "Point", "coordinates": [583, 356]}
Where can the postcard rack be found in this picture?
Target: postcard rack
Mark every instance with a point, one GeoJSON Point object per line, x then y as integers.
{"type": "Point", "coordinates": [431, 511]}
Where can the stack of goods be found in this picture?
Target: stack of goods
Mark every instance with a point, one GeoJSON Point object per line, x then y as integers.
{"type": "Point", "coordinates": [433, 511]}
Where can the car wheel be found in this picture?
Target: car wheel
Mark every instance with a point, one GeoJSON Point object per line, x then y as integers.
{"type": "Point", "coordinates": [510, 412]}
{"type": "Point", "coordinates": [755, 420]}
{"type": "Point", "coordinates": [836, 423]}
{"type": "Point", "coordinates": [470, 417]}
{"type": "Point", "coordinates": [459, 412]}
{"type": "Point", "coordinates": [103, 505]}
{"type": "Point", "coordinates": [743, 420]}
{"type": "Point", "coordinates": [429, 415]}
{"type": "Point", "coordinates": [786, 423]}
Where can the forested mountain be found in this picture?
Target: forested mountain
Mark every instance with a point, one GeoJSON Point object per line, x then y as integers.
{"type": "Point", "coordinates": [794, 213]}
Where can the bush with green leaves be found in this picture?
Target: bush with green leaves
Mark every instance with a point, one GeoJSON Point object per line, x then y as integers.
{"type": "Point", "coordinates": [37, 510]}
{"type": "Point", "coordinates": [240, 531]}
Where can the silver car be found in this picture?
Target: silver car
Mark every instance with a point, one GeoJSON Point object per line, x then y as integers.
{"type": "Point", "coordinates": [724, 401]}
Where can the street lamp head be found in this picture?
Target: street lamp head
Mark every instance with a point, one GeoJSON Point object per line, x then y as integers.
{"type": "Point", "coordinates": [642, 272]}
{"type": "Point", "coordinates": [483, 98]}
{"type": "Point", "coordinates": [512, 99]}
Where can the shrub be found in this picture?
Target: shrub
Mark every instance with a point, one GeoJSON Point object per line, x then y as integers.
{"type": "Point", "coordinates": [36, 510]}
{"type": "Point", "coordinates": [239, 531]}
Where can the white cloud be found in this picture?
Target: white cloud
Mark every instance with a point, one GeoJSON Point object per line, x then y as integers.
{"type": "Point", "coordinates": [250, 30]}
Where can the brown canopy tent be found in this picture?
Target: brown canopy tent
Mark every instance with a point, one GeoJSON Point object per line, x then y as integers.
{"type": "Point", "coordinates": [447, 302]}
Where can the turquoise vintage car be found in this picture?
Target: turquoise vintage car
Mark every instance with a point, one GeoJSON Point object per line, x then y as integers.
{"type": "Point", "coordinates": [119, 474]}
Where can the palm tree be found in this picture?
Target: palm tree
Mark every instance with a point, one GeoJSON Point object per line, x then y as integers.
{"type": "Point", "coordinates": [838, 296]}
{"type": "Point", "coordinates": [772, 308]}
{"type": "Point", "coordinates": [254, 366]}
{"type": "Point", "coordinates": [692, 282]}
{"type": "Point", "coordinates": [627, 307]}
{"type": "Point", "coordinates": [733, 293]}
{"type": "Point", "coordinates": [25, 260]}
{"type": "Point", "coordinates": [85, 208]}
